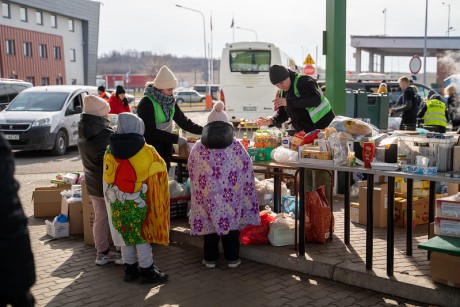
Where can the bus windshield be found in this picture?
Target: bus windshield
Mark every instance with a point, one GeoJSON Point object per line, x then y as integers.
{"type": "Point", "coordinates": [250, 61]}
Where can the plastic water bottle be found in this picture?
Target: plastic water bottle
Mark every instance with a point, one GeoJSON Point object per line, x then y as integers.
{"type": "Point", "coordinates": [245, 141]}
{"type": "Point", "coordinates": [286, 141]}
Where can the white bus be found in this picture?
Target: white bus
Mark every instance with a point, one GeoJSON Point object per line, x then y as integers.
{"type": "Point", "coordinates": [245, 86]}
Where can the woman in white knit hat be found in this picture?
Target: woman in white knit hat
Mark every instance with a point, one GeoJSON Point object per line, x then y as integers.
{"type": "Point", "coordinates": [158, 109]}
{"type": "Point", "coordinates": [223, 190]}
{"type": "Point", "coordinates": [93, 137]}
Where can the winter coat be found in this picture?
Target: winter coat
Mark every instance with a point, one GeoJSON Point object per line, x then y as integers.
{"type": "Point", "coordinates": [17, 267]}
{"type": "Point", "coordinates": [117, 105]}
{"type": "Point", "coordinates": [406, 104]}
{"type": "Point", "coordinates": [222, 183]}
{"type": "Point", "coordinates": [296, 108]}
{"type": "Point", "coordinates": [93, 138]}
{"type": "Point", "coordinates": [136, 191]}
{"type": "Point", "coordinates": [162, 140]}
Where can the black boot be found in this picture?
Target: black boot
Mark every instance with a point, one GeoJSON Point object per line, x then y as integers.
{"type": "Point", "coordinates": [152, 275]}
{"type": "Point", "coordinates": [131, 272]}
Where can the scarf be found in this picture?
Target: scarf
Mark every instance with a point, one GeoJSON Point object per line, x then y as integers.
{"type": "Point", "coordinates": [166, 102]}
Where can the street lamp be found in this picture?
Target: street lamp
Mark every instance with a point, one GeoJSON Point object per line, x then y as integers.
{"type": "Point", "coordinates": [241, 28]}
{"type": "Point", "coordinates": [448, 19]}
{"type": "Point", "coordinates": [204, 36]}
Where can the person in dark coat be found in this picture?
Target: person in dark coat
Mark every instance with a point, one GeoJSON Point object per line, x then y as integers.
{"type": "Point", "coordinates": [300, 99]}
{"type": "Point", "coordinates": [93, 137]}
{"type": "Point", "coordinates": [17, 266]}
{"type": "Point", "coordinates": [406, 104]}
{"type": "Point", "coordinates": [158, 109]}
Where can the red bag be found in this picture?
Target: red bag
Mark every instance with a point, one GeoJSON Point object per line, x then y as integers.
{"type": "Point", "coordinates": [252, 234]}
{"type": "Point", "coordinates": [318, 216]}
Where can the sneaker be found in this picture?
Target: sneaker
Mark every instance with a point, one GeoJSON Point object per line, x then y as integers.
{"type": "Point", "coordinates": [102, 258]}
{"type": "Point", "coordinates": [209, 264]}
{"type": "Point", "coordinates": [119, 260]}
{"type": "Point", "coordinates": [234, 264]}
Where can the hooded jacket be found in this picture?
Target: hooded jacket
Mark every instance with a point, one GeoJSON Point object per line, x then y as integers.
{"type": "Point", "coordinates": [221, 183]}
{"type": "Point", "coordinates": [93, 138]}
{"type": "Point", "coordinates": [136, 190]}
{"type": "Point", "coordinates": [117, 105]}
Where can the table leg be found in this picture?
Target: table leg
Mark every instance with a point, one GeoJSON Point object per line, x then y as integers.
{"type": "Point", "coordinates": [302, 212]}
{"type": "Point", "coordinates": [390, 226]}
{"type": "Point", "coordinates": [346, 205]}
{"type": "Point", "coordinates": [179, 169]}
{"type": "Point", "coordinates": [277, 190]}
{"type": "Point", "coordinates": [409, 224]}
{"type": "Point", "coordinates": [431, 208]}
{"type": "Point", "coordinates": [370, 221]}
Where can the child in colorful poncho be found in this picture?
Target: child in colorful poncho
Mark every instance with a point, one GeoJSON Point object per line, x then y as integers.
{"type": "Point", "coordinates": [137, 198]}
{"type": "Point", "coordinates": [223, 191]}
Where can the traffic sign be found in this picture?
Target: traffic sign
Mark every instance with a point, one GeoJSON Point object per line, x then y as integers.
{"type": "Point", "coordinates": [309, 60]}
{"type": "Point", "coordinates": [415, 64]}
{"type": "Point", "coordinates": [309, 70]}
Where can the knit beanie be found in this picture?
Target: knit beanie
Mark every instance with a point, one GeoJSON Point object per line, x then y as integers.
{"type": "Point", "coordinates": [120, 90]}
{"type": "Point", "coordinates": [218, 114]}
{"type": "Point", "coordinates": [165, 79]}
{"type": "Point", "coordinates": [130, 123]}
{"type": "Point", "coordinates": [101, 88]}
{"type": "Point", "coordinates": [95, 105]}
{"type": "Point", "coordinates": [278, 74]}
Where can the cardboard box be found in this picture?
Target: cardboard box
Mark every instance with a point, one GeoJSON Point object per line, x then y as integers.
{"type": "Point", "coordinates": [354, 212]}
{"type": "Point", "coordinates": [456, 159]}
{"type": "Point", "coordinates": [444, 226]}
{"type": "Point", "coordinates": [88, 215]}
{"type": "Point", "coordinates": [448, 207]}
{"type": "Point", "coordinates": [74, 212]}
{"type": "Point", "coordinates": [419, 206]}
{"type": "Point", "coordinates": [57, 230]}
{"type": "Point", "coordinates": [47, 200]}
{"type": "Point", "coordinates": [307, 155]}
{"type": "Point", "coordinates": [380, 204]}
{"type": "Point", "coordinates": [445, 268]}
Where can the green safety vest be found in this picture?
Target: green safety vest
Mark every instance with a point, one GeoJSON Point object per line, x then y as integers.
{"type": "Point", "coordinates": [316, 113]}
{"type": "Point", "coordinates": [160, 116]}
{"type": "Point", "coordinates": [435, 114]}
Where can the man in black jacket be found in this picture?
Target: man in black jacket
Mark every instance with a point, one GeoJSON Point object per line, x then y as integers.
{"type": "Point", "coordinates": [300, 99]}
{"type": "Point", "coordinates": [406, 104]}
{"type": "Point", "coordinates": [17, 266]}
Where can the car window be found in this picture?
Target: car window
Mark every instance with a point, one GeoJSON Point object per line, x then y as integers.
{"type": "Point", "coordinates": [38, 101]}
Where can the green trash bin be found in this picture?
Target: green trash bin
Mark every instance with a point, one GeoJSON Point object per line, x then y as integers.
{"type": "Point", "coordinates": [361, 110]}
{"type": "Point", "coordinates": [377, 110]}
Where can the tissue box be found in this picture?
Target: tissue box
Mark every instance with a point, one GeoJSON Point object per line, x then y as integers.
{"type": "Point", "coordinates": [421, 170]}
{"type": "Point", "coordinates": [56, 229]}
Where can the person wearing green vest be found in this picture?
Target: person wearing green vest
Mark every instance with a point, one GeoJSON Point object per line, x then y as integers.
{"type": "Point", "coordinates": [434, 114]}
{"type": "Point", "coordinates": [300, 99]}
{"type": "Point", "coordinates": [158, 109]}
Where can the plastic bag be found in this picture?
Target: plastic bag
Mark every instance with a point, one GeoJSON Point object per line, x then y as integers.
{"type": "Point", "coordinates": [284, 155]}
{"type": "Point", "coordinates": [177, 189]}
{"type": "Point", "coordinates": [282, 230]}
{"type": "Point", "coordinates": [318, 216]}
{"type": "Point", "coordinates": [353, 126]}
{"type": "Point", "coordinates": [258, 234]}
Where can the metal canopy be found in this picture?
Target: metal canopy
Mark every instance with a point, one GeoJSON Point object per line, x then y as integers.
{"type": "Point", "coordinates": [404, 45]}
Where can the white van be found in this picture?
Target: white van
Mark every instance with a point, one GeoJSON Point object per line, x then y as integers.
{"type": "Point", "coordinates": [45, 117]}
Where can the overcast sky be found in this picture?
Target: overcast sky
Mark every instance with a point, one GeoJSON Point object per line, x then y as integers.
{"type": "Point", "coordinates": [295, 26]}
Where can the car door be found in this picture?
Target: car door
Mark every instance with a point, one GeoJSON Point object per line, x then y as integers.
{"type": "Point", "coordinates": [72, 116]}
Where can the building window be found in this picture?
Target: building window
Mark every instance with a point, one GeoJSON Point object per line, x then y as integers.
{"type": "Point", "coordinates": [42, 51]}
{"type": "Point", "coordinates": [23, 13]}
{"type": "Point", "coordinates": [72, 55]}
{"type": "Point", "coordinates": [57, 52]}
{"type": "Point", "coordinates": [74, 82]}
{"type": "Point", "coordinates": [31, 80]}
{"type": "Point", "coordinates": [45, 81]}
{"type": "Point", "coordinates": [27, 49]}
{"type": "Point", "coordinates": [71, 25]}
{"type": "Point", "coordinates": [39, 17]}
{"type": "Point", "coordinates": [6, 10]}
{"type": "Point", "coordinates": [53, 21]}
{"type": "Point", "coordinates": [9, 46]}
{"type": "Point", "coordinates": [59, 81]}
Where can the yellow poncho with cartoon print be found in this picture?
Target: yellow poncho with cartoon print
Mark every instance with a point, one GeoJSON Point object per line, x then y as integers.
{"type": "Point", "coordinates": [136, 194]}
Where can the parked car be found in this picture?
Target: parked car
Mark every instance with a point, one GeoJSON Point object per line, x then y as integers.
{"type": "Point", "coordinates": [189, 96]}
{"type": "Point", "coordinates": [45, 117]}
{"type": "Point", "coordinates": [10, 88]}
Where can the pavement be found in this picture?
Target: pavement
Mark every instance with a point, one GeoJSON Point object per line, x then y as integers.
{"type": "Point", "coordinates": [332, 274]}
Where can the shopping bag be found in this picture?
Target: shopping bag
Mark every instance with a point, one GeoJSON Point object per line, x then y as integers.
{"type": "Point", "coordinates": [318, 216]}
{"type": "Point", "coordinates": [252, 234]}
